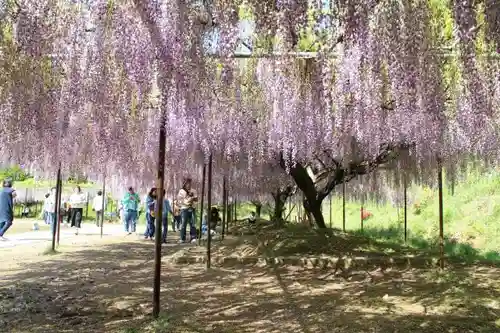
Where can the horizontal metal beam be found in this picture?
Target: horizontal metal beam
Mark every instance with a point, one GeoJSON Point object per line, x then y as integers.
{"type": "Point", "coordinates": [310, 55]}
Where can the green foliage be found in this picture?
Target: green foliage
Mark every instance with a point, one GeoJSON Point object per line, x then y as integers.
{"type": "Point", "coordinates": [16, 173]}
{"type": "Point", "coordinates": [471, 218]}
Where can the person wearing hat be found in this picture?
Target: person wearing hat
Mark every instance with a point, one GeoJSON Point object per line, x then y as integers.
{"type": "Point", "coordinates": [7, 195]}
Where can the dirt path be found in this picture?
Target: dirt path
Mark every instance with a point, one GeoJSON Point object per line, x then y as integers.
{"type": "Point", "coordinates": [106, 286]}
{"type": "Point", "coordinates": [67, 233]}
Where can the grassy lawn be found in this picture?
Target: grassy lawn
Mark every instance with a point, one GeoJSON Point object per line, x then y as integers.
{"type": "Point", "coordinates": [471, 218]}
{"type": "Point", "coordinates": [32, 183]}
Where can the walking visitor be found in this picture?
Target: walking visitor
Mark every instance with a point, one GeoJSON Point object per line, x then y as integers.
{"type": "Point", "coordinates": [187, 198]}
{"type": "Point", "coordinates": [167, 208]}
{"type": "Point", "coordinates": [45, 208]}
{"type": "Point", "coordinates": [130, 204]}
{"type": "Point", "coordinates": [77, 201]}
{"type": "Point", "coordinates": [7, 195]}
{"type": "Point", "coordinates": [51, 209]}
{"type": "Point", "coordinates": [99, 206]}
{"type": "Point", "coordinates": [149, 204]}
{"type": "Point", "coordinates": [176, 216]}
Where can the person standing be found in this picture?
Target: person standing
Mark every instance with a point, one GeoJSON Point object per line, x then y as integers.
{"type": "Point", "coordinates": [167, 208]}
{"type": "Point", "coordinates": [176, 216]}
{"type": "Point", "coordinates": [130, 203]}
{"type": "Point", "coordinates": [97, 206]}
{"type": "Point", "coordinates": [7, 195]}
{"type": "Point", "coordinates": [77, 201]}
{"type": "Point", "coordinates": [51, 209]}
{"type": "Point", "coordinates": [149, 204]}
{"type": "Point", "coordinates": [45, 208]}
{"type": "Point", "coordinates": [187, 198]}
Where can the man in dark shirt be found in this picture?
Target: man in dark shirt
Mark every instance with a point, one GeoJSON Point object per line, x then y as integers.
{"type": "Point", "coordinates": [7, 195]}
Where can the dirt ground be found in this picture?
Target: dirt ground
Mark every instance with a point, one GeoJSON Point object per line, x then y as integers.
{"type": "Point", "coordinates": [105, 285]}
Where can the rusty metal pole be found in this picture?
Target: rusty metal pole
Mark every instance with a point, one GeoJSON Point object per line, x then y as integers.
{"type": "Point", "coordinates": [158, 215]}
{"type": "Point", "coordinates": [343, 205]}
{"type": "Point", "coordinates": [55, 222]}
{"type": "Point", "coordinates": [209, 206]}
{"type": "Point", "coordinates": [224, 206]}
{"type": "Point", "coordinates": [405, 203]}
{"type": "Point", "coordinates": [203, 177]}
{"type": "Point", "coordinates": [103, 203]}
{"type": "Point", "coordinates": [331, 210]}
{"type": "Point", "coordinates": [58, 208]}
{"type": "Point", "coordinates": [441, 215]}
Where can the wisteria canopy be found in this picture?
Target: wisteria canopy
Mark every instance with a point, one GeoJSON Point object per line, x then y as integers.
{"type": "Point", "coordinates": [85, 83]}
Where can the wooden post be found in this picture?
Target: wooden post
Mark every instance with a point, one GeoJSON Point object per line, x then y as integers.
{"type": "Point", "coordinates": [203, 177]}
{"type": "Point", "coordinates": [343, 205]}
{"type": "Point", "coordinates": [224, 207]}
{"type": "Point", "coordinates": [361, 216]}
{"type": "Point", "coordinates": [87, 207]}
{"type": "Point", "coordinates": [159, 214]}
{"type": "Point", "coordinates": [55, 222]}
{"type": "Point", "coordinates": [405, 205]}
{"type": "Point", "coordinates": [299, 211]}
{"type": "Point", "coordinates": [209, 204]}
{"type": "Point", "coordinates": [235, 209]}
{"type": "Point", "coordinates": [103, 203]}
{"type": "Point", "coordinates": [58, 210]}
{"type": "Point", "coordinates": [441, 218]}
{"type": "Point", "coordinates": [228, 210]}
{"type": "Point", "coordinates": [331, 210]}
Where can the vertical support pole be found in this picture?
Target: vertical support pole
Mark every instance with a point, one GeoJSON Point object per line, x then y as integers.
{"type": "Point", "coordinates": [343, 205]}
{"type": "Point", "coordinates": [58, 209]}
{"type": "Point", "coordinates": [203, 177]}
{"type": "Point", "coordinates": [441, 219]}
{"type": "Point", "coordinates": [235, 208]}
{"type": "Point", "coordinates": [103, 203]}
{"type": "Point", "coordinates": [224, 206]}
{"type": "Point", "coordinates": [159, 215]}
{"type": "Point", "coordinates": [452, 189]}
{"type": "Point", "coordinates": [209, 204]}
{"type": "Point", "coordinates": [87, 207]}
{"type": "Point", "coordinates": [55, 222]}
{"type": "Point", "coordinates": [405, 203]}
{"type": "Point", "coordinates": [299, 210]}
{"type": "Point", "coordinates": [361, 216]}
{"type": "Point", "coordinates": [228, 213]}
{"type": "Point", "coordinates": [331, 210]}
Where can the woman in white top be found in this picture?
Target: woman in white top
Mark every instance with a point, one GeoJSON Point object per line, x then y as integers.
{"type": "Point", "coordinates": [77, 201]}
{"type": "Point", "coordinates": [97, 206]}
{"type": "Point", "coordinates": [46, 204]}
{"type": "Point", "coordinates": [50, 207]}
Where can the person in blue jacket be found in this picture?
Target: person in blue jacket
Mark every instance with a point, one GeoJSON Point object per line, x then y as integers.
{"type": "Point", "coordinates": [167, 208]}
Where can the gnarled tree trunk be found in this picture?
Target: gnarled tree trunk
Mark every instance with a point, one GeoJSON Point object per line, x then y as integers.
{"type": "Point", "coordinates": [280, 197]}
{"type": "Point", "coordinates": [258, 207]}
{"type": "Point", "coordinates": [317, 179]}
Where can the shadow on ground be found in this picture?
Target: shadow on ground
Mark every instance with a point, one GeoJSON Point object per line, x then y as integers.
{"type": "Point", "coordinates": [109, 289]}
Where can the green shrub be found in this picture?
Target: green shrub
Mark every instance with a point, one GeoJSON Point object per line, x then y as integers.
{"type": "Point", "coordinates": [16, 173]}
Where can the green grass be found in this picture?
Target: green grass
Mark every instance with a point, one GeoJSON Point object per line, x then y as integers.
{"type": "Point", "coordinates": [32, 183]}
{"type": "Point", "coordinates": [471, 218]}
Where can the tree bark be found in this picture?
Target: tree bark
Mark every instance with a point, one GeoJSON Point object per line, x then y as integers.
{"type": "Point", "coordinates": [280, 197]}
{"type": "Point", "coordinates": [258, 207]}
{"type": "Point", "coordinates": [327, 173]}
